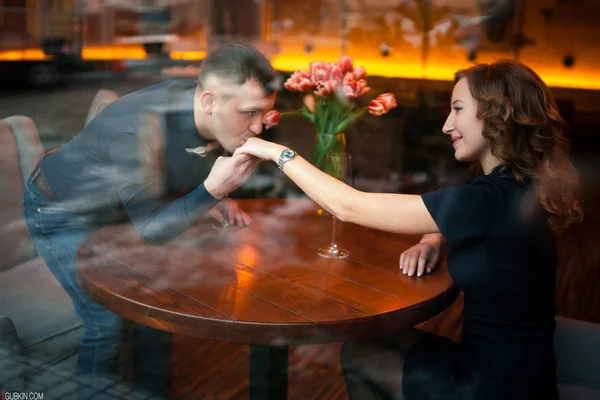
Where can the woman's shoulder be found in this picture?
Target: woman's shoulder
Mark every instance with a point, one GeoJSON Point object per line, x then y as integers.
{"type": "Point", "coordinates": [502, 179]}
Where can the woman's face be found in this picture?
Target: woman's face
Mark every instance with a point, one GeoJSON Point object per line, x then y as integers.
{"type": "Point", "coordinates": [464, 128]}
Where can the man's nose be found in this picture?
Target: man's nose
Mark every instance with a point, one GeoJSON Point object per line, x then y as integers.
{"type": "Point", "coordinates": [256, 127]}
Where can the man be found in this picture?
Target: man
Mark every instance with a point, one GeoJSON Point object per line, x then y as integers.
{"type": "Point", "coordinates": [134, 158]}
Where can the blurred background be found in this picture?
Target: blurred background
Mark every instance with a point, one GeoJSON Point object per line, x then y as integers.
{"type": "Point", "coordinates": [56, 54]}
{"type": "Point", "coordinates": [71, 48]}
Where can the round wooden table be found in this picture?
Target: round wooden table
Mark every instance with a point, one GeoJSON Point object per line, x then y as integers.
{"type": "Point", "coordinates": [264, 284]}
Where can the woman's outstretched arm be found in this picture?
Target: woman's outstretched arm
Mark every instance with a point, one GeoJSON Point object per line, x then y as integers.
{"type": "Point", "coordinates": [388, 212]}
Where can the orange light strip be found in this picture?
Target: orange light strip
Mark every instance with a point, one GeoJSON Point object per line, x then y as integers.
{"type": "Point", "coordinates": [376, 66]}
{"type": "Point", "coordinates": [113, 52]}
{"type": "Point", "coordinates": [187, 55]}
{"type": "Point", "coordinates": [23, 55]}
{"type": "Point", "coordinates": [394, 69]}
{"type": "Point", "coordinates": [99, 53]}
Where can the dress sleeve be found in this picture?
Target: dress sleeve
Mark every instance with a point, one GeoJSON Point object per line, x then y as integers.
{"type": "Point", "coordinates": [473, 211]}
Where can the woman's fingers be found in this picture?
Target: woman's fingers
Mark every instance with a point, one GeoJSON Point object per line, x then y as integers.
{"type": "Point", "coordinates": [422, 262]}
{"type": "Point", "coordinates": [417, 260]}
{"type": "Point", "coordinates": [405, 260]}
{"type": "Point", "coordinates": [432, 263]}
{"type": "Point", "coordinates": [410, 261]}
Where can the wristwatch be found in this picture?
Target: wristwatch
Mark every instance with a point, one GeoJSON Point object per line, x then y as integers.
{"type": "Point", "coordinates": [285, 156]}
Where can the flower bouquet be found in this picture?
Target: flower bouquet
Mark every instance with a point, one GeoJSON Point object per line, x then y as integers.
{"type": "Point", "coordinates": [331, 90]}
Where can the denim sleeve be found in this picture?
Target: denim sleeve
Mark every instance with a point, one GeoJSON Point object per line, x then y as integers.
{"type": "Point", "coordinates": [139, 175]}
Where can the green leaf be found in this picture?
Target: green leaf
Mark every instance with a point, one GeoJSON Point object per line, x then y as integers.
{"type": "Point", "coordinates": [309, 115]}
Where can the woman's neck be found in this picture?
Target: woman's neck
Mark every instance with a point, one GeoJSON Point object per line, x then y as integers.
{"type": "Point", "coordinates": [488, 162]}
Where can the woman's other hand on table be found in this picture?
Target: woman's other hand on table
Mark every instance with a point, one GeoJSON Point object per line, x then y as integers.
{"type": "Point", "coordinates": [423, 256]}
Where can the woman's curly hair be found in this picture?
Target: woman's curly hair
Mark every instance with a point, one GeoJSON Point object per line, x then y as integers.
{"type": "Point", "coordinates": [522, 122]}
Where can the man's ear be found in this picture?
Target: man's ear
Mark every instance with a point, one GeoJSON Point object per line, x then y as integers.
{"type": "Point", "coordinates": [207, 100]}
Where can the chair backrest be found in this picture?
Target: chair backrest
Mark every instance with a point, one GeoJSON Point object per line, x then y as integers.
{"type": "Point", "coordinates": [577, 349]}
{"type": "Point", "coordinates": [20, 150]}
{"type": "Point", "coordinates": [103, 98]}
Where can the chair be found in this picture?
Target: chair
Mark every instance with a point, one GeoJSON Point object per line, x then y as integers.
{"type": "Point", "coordinates": [20, 149]}
{"type": "Point", "coordinates": [103, 98]}
{"type": "Point", "coordinates": [577, 349]}
{"type": "Point", "coordinates": [39, 328]}
{"type": "Point", "coordinates": [576, 346]}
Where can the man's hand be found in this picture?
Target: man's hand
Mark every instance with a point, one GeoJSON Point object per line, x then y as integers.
{"type": "Point", "coordinates": [423, 256]}
{"type": "Point", "coordinates": [227, 212]}
{"type": "Point", "coordinates": [228, 173]}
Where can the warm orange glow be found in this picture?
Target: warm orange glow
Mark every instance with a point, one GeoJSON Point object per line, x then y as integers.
{"type": "Point", "coordinates": [93, 53]}
{"type": "Point", "coordinates": [247, 255]}
{"type": "Point", "coordinates": [113, 52]}
{"type": "Point", "coordinates": [187, 55]}
{"type": "Point", "coordinates": [393, 67]}
{"type": "Point", "coordinates": [133, 52]}
{"type": "Point", "coordinates": [378, 66]}
{"type": "Point", "coordinates": [23, 55]}
{"type": "Point", "coordinates": [575, 82]}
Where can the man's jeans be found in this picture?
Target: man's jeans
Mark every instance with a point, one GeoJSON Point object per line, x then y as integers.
{"type": "Point", "coordinates": [57, 234]}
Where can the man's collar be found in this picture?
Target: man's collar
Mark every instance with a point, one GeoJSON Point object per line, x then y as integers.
{"type": "Point", "coordinates": [185, 117]}
{"type": "Point", "coordinates": [200, 146]}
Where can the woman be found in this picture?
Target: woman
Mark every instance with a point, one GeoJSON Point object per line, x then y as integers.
{"type": "Point", "coordinates": [500, 230]}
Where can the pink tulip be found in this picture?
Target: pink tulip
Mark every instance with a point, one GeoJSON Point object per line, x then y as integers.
{"type": "Point", "coordinates": [362, 87]}
{"type": "Point", "coordinates": [302, 73]}
{"type": "Point", "coordinates": [320, 71]}
{"type": "Point", "coordinates": [305, 85]}
{"type": "Point", "coordinates": [345, 64]}
{"type": "Point", "coordinates": [354, 89]}
{"type": "Point", "coordinates": [321, 75]}
{"type": "Point", "coordinates": [387, 99]}
{"type": "Point", "coordinates": [359, 72]}
{"type": "Point", "coordinates": [336, 72]}
{"type": "Point", "coordinates": [300, 81]}
{"type": "Point", "coordinates": [335, 84]}
{"type": "Point", "coordinates": [350, 89]}
{"type": "Point", "coordinates": [271, 119]}
{"type": "Point", "coordinates": [324, 89]}
{"type": "Point", "coordinates": [317, 65]}
{"type": "Point", "coordinates": [377, 108]}
{"type": "Point", "coordinates": [291, 85]}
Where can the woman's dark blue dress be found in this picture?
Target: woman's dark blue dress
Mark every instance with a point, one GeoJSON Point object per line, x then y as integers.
{"type": "Point", "coordinates": [503, 256]}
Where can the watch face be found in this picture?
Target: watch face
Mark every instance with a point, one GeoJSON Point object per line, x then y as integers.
{"type": "Point", "coordinates": [288, 153]}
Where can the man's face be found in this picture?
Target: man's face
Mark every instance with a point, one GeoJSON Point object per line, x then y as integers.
{"type": "Point", "coordinates": [238, 111]}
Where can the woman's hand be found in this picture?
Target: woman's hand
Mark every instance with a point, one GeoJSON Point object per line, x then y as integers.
{"type": "Point", "coordinates": [261, 149]}
{"type": "Point", "coordinates": [423, 256]}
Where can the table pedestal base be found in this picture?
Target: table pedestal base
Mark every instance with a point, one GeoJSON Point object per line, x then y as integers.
{"type": "Point", "coordinates": [268, 372]}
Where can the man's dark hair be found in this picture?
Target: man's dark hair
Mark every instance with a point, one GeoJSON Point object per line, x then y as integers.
{"type": "Point", "coordinates": [239, 62]}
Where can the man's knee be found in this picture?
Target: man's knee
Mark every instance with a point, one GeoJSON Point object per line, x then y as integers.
{"type": "Point", "coordinates": [100, 322]}
{"type": "Point", "coordinates": [347, 354]}
{"type": "Point", "coordinates": [359, 354]}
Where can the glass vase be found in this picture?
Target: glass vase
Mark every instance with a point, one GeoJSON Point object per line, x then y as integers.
{"type": "Point", "coordinates": [338, 165]}
{"type": "Point", "coordinates": [327, 143]}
